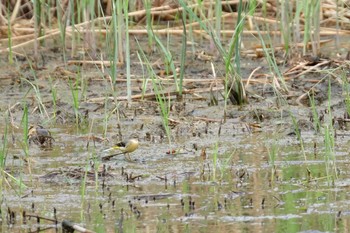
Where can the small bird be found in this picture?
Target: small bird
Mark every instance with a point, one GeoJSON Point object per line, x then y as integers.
{"type": "Point", "coordinates": [125, 147]}
{"type": "Point", "coordinates": [40, 136]}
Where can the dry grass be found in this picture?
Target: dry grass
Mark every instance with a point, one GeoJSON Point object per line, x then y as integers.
{"type": "Point", "coordinates": [334, 20]}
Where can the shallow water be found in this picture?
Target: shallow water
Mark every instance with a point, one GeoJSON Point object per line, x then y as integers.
{"type": "Point", "coordinates": [244, 193]}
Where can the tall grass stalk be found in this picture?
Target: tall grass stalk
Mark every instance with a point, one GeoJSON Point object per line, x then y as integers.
{"type": "Point", "coordinates": [164, 105]}
{"type": "Point", "coordinates": [148, 6]}
{"type": "Point", "coordinates": [285, 22]}
{"type": "Point", "coordinates": [75, 98]}
{"type": "Point", "coordinates": [162, 100]}
{"type": "Point", "coordinates": [89, 12]}
{"type": "Point", "coordinates": [36, 89]}
{"type": "Point", "coordinates": [75, 37]}
{"type": "Point", "coordinates": [145, 77]}
{"type": "Point", "coordinates": [346, 90]}
{"type": "Point", "coordinates": [25, 126]}
{"type": "Point", "coordinates": [233, 81]}
{"type": "Point", "coordinates": [115, 40]}
{"type": "Point", "coordinates": [3, 155]}
{"type": "Point", "coordinates": [106, 117]}
{"type": "Point", "coordinates": [168, 59]}
{"type": "Point", "coordinates": [235, 46]}
{"type": "Point", "coordinates": [83, 191]}
{"type": "Point", "coordinates": [298, 134]}
{"type": "Point", "coordinates": [37, 25]}
{"type": "Point", "coordinates": [311, 11]}
{"type": "Point", "coordinates": [329, 155]}
{"type": "Point", "coordinates": [3, 151]}
{"type": "Point", "coordinates": [315, 116]}
{"type": "Point", "coordinates": [62, 24]}
{"type": "Point", "coordinates": [316, 28]}
{"type": "Point", "coordinates": [127, 49]}
{"type": "Point", "coordinates": [272, 152]}
{"type": "Point", "coordinates": [183, 53]}
{"type": "Point", "coordinates": [215, 160]}
{"type": "Point", "coordinates": [120, 30]}
{"type": "Point", "coordinates": [225, 165]}
{"type": "Point", "coordinates": [218, 13]}
{"type": "Point", "coordinates": [329, 141]}
{"type": "Point", "coordinates": [9, 32]}
{"type": "Point", "coordinates": [25, 147]}
{"type": "Point", "coordinates": [53, 95]}
{"type": "Point", "coordinates": [296, 22]}
{"type": "Point", "coordinates": [271, 60]}
{"type": "Point", "coordinates": [18, 182]}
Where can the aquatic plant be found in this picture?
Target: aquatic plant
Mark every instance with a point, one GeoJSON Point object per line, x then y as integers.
{"type": "Point", "coordinates": [127, 49]}
{"type": "Point", "coordinates": [163, 101]}
{"type": "Point", "coordinates": [272, 152]}
{"type": "Point", "coordinates": [53, 90]}
{"type": "Point", "coordinates": [271, 60]}
{"type": "Point", "coordinates": [346, 90]}
{"type": "Point", "coordinates": [170, 68]}
{"type": "Point", "coordinates": [297, 132]}
{"type": "Point", "coordinates": [83, 187]}
{"type": "Point", "coordinates": [25, 126]}
{"type": "Point", "coordinates": [311, 10]}
{"type": "Point", "coordinates": [35, 87]}
{"type": "Point", "coordinates": [315, 115]}
{"type": "Point", "coordinates": [215, 161]}
{"type": "Point", "coordinates": [233, 85]}
{"type": "Point", "coordinates": [3, 156]}
{"type": "Point", "coordinates": [329, 142]}
{"type": "Point", "coordinates": [76, 101]}
{"type": "Point", "coordinates": [9, 37]}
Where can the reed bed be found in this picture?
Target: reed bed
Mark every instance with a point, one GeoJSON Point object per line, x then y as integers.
{"type": "Point", "coordinates": [297, 30]}
{"type": "Point", "coordinates": [28, 24]}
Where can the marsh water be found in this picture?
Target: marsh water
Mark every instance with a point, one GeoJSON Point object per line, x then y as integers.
{"type": "Point", "coordinates": [222, 167]}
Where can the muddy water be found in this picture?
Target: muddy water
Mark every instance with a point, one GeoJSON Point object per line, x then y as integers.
{"type": "Point", "coordinates": [255, 174]}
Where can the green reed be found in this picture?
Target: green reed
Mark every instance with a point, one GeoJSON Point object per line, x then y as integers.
{"type": "Point", "coordinates": [271, 60]}
{"type": "Point", "coordinates": [183, 53]}
{"type": "Point", "coordinates": [74, 17]}
{"type": "Point", "coordinates": [311, 11]}
{"type": "Point", "coordinates": [3, 156]}
{"type": "Point", "coordinates": [232, 80]}
{"type": "Point", "coordinates": [127, 50]}
{"type": "Point", "coordinates": [62, 25]}
{"type": "Point", "coordinates": [53, 95]}
{"type": "Point", "coordinates": [36, 88]}
{"type": "Point", "coordinates": [225, 165]}
{"type": "Point", "coordinates": [114, 37]}
{"type": "Point", "coordinates": [315, 116]}
{"type": "Point", "coordinates": [25, 126]}
{"type": "Point", "coordinates": [164, 105]}
{"type": "Point", "coordinates": [329, 141]}
{"type": "Point", "coordinates": [346, 90]}
{"type": "Point", "coordinates": [4, 148]}
{"type": "Point", "coordinates": [37, 25]}
{"type": "Point", "coordinates": [106, 116]}
{"type": "Point", "coordinates": [168, 58]}
{"type": "Point", "coordinates": [215, 160]}
{"type": "Point", "coordinates": [145, 77]}
{"type": "Point", "coordinates": [83, 190]}
{"type": "Point", "coordinates": [272, 152]}
{"type": "Point", "coordinates": [297, 132]}
{"type": "Point", "coordinates": [163, 101]}
{"type": "Point", "coordinates": [149, 23]}
{"type": "Point", "coordinates": [9, 41]}
{"type": "Point", "coordinates": [75, 98]}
